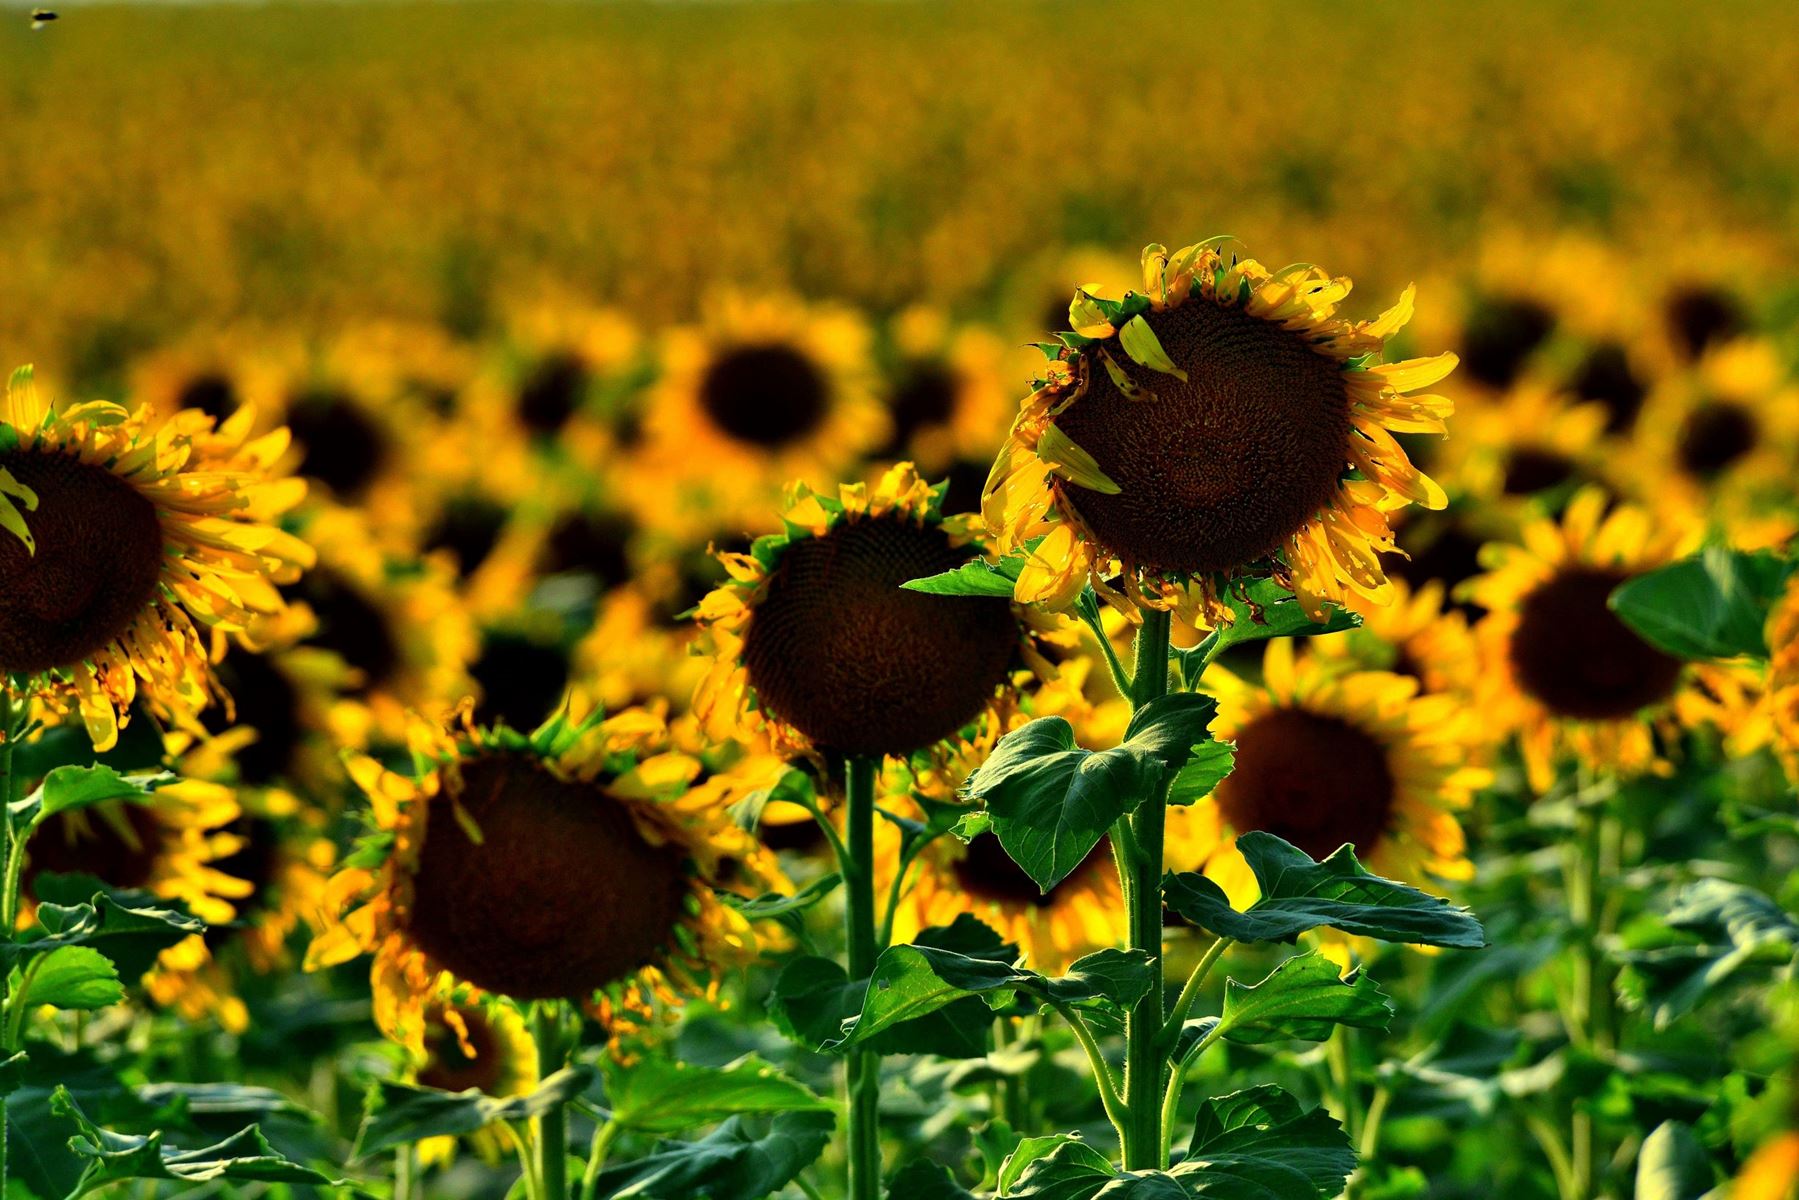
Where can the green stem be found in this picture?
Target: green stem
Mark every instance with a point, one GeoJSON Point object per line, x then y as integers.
{"type": "Point", "coordinates": [1183, 1004]}
{"type": "Point", "coordinates": [1144, 1064]}
{"type": "Point", "coordinates": [1340, 1053]}
{"type": "Point", "coordinates": [1557, 1156]}
{"type": "Point", "coordinates": [1121, 679]}
{"type": "Point", "coordinates": [864, 1066]}
{"type": "Point", "coordinates": [1102, 1070]}
{"type": "Point", "coordinates": [406, 1166]}
{"type": "Point", "coordinates": [549, 1132]}
{"type": "Point", "coordinates": [10, 726]}
{"type": "Point", "coordinates": [603, 1137]}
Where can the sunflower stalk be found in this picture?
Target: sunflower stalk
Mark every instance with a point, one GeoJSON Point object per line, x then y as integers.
{"type": "Point", "coordinates": [864, 1066]}
{"type": "Point", "coordinates": [549, 1132]}
{"type": "Point", "coordinates": [1145, 1064]}
{"type": "Point", "coordinates": [10, 725]}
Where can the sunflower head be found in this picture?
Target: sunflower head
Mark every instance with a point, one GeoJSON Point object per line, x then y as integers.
{"type": "Point", "coordinates": [1219, 424]}
{"type": "Point", "coordinates": [569, 863]}
{"type": "Point", "coordinates": [120, 542]}
{"type": "Point", "coordinates": [815, 640]}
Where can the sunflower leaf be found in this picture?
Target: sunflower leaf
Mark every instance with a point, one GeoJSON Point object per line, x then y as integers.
{"type": "Point", "coordinates": [1260, 1143]}
{"type": "Point", "coordinates": [1713, 931]}
{"type": "Point", "coordinates": [1712, 606]}
{"type": "Point", "coordinates": [731, 1163]}
{"type": "Point", "coordinates": [1305, 998]}
{"type": "Point", "coordinates": [813, 997]}
{"type": "Point", "coordinates": [977, 577]}
{"type": "Point", "coordinates": [1210, 765]}
{"type": "Point", "coordinates": [130, 928]}
{"type": "Point", "coordinates": [1265, 610]}
{"type": "Point", "coordinates": [922, 1179]}
{"type": "Point", "coordinates": [1299, 894]}
{"type": "Point", "coordinates": [1140, 342]}
{"type": "Point", "coordinates": [75, 978]}
{"type": "Point", "coordinates": [1673, 1165]}
{"type": "Point", "coordinates": [662, 1096]}
{"type": "Point", "coordinates": [396, 1114]}
{"type": "Point", "coordinates": [68, 788]}
{"type": "Point", "coordinates": [111, 1157]}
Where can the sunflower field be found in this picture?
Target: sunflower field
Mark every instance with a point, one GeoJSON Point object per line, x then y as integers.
{"type": "Point", "coordinates": [835, 600]}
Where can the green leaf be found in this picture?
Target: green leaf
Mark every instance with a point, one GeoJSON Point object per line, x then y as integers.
{"type": "Point", "coordinates": [1066, 1168]}
{"type": "Point", "coordinates": [662, 1096]}
{"type": "Point", "coordinates": [922, 1179]}
{"type": "Point", "coordinates": [396, 1114]}
{"type": "Point", "coordinates": [245, 1156]}
{"type": "Point", "coordinates": [1304, 998]}
{"type": "Point", "coordinates": [1712, 606]}
{"type": "Point", "coordinates": [1259, 1144]}
{"type": "Point", "coordinates": [1140, 342]}
{"type": "Point", "coordinates": [977, 577]}
{"type": "Point", "coordinates": [1210, 765]}
{"type": "Point", "coordinates": [773, 905]}
{"type": "Point", "coordinates": [731, 1163]}
{"type": "Point", "coordinates": [73, 977]}
{"type": "Point", "coordinates": [1299, 894]}
{"type": "Point", "coordinates": [1713, 930]}
{"type": "Point", "coordinates": [1265, 610]}
{"type": "Point", "coordinates": [128, 927]}
{"type": "Point", "coordinates": [1672, 1165]}
{"type": "Point", "coordinates": [1171, 728]}
{"type": "Point", "coordinates": [71, 787]}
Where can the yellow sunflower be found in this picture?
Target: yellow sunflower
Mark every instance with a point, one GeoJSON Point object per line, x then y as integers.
{"type": "Point", "coordinates": [115, 541]}
{"type": "Point", "coordinates": [486, 1047]}
{"type": "Point", "coordinates": [215, 373]}
{"type": "Point", "coordinates": [1530, 447]}
{"type": "Point", "coordinates": [764, 390]}
{"type": "Point", "coordinates": [174, 844]}
{"type": "Point", "coordinates": [1783, 676]}
{"type": "Point", "coordinates": [814, 641]}
{"type": "Point", "coordinates": [1327, 757]}
{"type": "Point", "coordinates": [1220, 424]}
{"type": "Point", "coordinates": [943, 386]}
{"type": "Point", "coordinates": [571, 863]}
{"type": "Point", "coordinates": [1415, 636]}
{"type": "Point", "coordinates": [1562, 672]}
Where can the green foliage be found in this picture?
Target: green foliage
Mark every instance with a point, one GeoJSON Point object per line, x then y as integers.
{"type": "Point", "coordinates": [1712, 606]}
{"type": "Point", "coordinates": [1305, 997]}
{"type": "Point", "coordinates": [732, 1163]}
{"type": "Point", "coordinates": [67, 788]}
{"type": "Point", "coordinates": [1672, 1165]}
{"type": "Point", "coordinates": [396, 1114]}
{"type": "Point", "coordinates": [1299, 894]}
{"type": "Point", "coordinates": [73, 977]}
{"type": "Point", "coordinates": [658, 1096]}
{"type": "Point", "coordinates": [1262, 610]}
{"type": "Point", "coordinates": [1711, 932]}
{"type": "Point", "coordinates": [1260, 1143]}
{"type": "Point", "coordinates": [130, 928]}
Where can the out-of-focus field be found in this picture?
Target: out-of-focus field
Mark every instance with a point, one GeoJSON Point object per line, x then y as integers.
{"type": "Point", "coordinates": [169, 168]}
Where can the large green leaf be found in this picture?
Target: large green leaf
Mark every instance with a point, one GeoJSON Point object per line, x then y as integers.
{"type": "Point", "coordinates": [1672, 1165]}
{"type": "Point", "coordinates": [129, 928]}
{"type": "Point", "coordinates": [395, 1114]}
{"type": "Point", "coordinates": [977, 577]}
{"type": "Point", "coordinates": [68, 788]}
{"type": "Point", "coordinates": [73, 977]}
{"type": "Point", "coordinates": [1712, 931]}
{"type": "Point", "coordinates": [245, 1156]}
{"type": "Point", "coordinates": [1712, 606]}
{"type": "Point", "coordinates": [1050, 802]}
{"type": "Point", "coordinates": [1210, 765]}
{"type": "Point", "coordinates": [731, 1163]}
{"type": "Point", "coordinates": [662, 1096]}
{"type": "Point", "coordinates": [1299, 894]}
{"type": "Point", "coordinates": [922, 1179]}
{"type": "Point", "coordinates": [1260, 1145]}
{"type": "Point", "coordinates": [1265, 610]}
{"type": "Point", "coordinates": [1305, 998]}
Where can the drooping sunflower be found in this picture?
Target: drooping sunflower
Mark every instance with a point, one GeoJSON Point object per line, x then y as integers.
{"type": "Point", "coordinates": [1326, 757]}
{"type": "Point", "coordinates": [570, 863]}
{"type": "Point", "coordinates": [119, 544]}
{"type": "Point", "coordinates": [762, 391]}
{"type": "Point", "coordinates": [942, 385]}
{"type": "Point", "coordinates": [1563, 672]}
{"type": "Point", "coordinates": [814, 641]}
{"type": "Point", "coordinates": [1222, 423]}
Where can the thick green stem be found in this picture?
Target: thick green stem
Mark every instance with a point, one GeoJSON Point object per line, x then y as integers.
{"type": "Point", "coordinates": [549, 1132]}
{"type": "Point", "coordinates": [1145, 1065]}
{"type": "Point", "coordinates": [10, 724]}
{"type": "Point", "coordinates": [603, 1137]}
{"type": "Point", "coordinates": [864, 1066]}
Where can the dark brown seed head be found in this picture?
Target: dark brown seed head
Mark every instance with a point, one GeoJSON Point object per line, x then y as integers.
{"type": "Point", "coordinates": [1699, 317]}
{"type": "Point", "coordinates": [98, 563]}
{"type": "Point", "coordinates": [1314, 779]}
{"type": "Point", "coordinates": [1532, 469]}
{"type": "Point", "coordinates": [521, 680]}
{"type": "Point", "coordinates": [350, 624]}
{"type": "Point", "coordinates": [1716, 436]}
{"type": "Point", "coordinates": [1572, 653]}
{"type": "Point", "coordinates": [1218, 471]}
{"type": "Point", "coordinates": [1607, 376]}
{"type": "Point", "coordinates": [1500, 337]}
{"type": "Point", "coordinates": [469, 527]}
{"type": "Point", "coordinates": [211, 394]}
{"type": "Point", "coordinates": [340, 445]}
{"type": "Point", "coordinates": [552, 393]}
{"type": "Point", "coordinates": [449, 1068]}
{"type": "Point", "coordinates": [562, 896]}
{"type": "Point", "coordinates": [840, 652]}
{"type": "Point", "coordinates": [264, 699]}
{"type": "Point", "coordinates": [924, 398]}
{"type": "Point", "coordinates": [767, 395]}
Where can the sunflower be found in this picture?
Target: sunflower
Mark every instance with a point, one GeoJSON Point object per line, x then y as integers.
{"type": "Point", "coordinates": [1563, 672]}
{"type": "Point", "coordinates": [1783, 676]}
{"type": "Point", "coordinates": [1524, 450]}
{"type": "Point", "coordinates": [174, 844]}
{"type": "Point", "coordinates": [762, 391]}
{"type": "Point", "coordinates": [571, 863]}
{"type": "Point", "coordinates": [115, 541]}
{"type": "Point", "coordinates": [814, 641]}
{"type": "Point", "coordinates": [1416, 636]}
{"type": "Point", "coordinates": [943, 389]}
{"type": "Point", "coordinates": [484, 1047]}
{"type": "Point", "coordinates": [1223, 424]}
{"type": "Point", "coordinates": [1327, 757]}
{"type": "Point", "coordinates": [216, 374]}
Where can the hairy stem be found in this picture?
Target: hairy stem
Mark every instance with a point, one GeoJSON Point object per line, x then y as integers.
{"type": "Point", "coordinates": [864, 1066]}
{"type": "Point", "coordinates": [1145, 1065]}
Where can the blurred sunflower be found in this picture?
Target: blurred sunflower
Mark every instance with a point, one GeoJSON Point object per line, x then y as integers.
{"type": "Point", "coordinates": [1783, 676]}
{"type": "Point", "coordinates": [943, 386]}
{"type": "Point", "coordinates": [115, 541]}
{"type": "Point", "coordinates": [632, 657]}
{"type": "Point", "coordinates": [1415, 636]}
{"type": "Point", "coordinates": [762, 391]}
{"type": "Point", "coordinates": [216, 374]}
{"type": "Point", "coordinates": [571, 863]}
{"type": "Point", "coordinates": [1562, 671]}
{"type": "Point", "coordinates": [814, 640]}
{"type": "Point", "coordinates": [1527, 449]}
{"type": "Point", "coordinates": [1223, 424]}
{"type": "Point", "coordinates": [1326, 757]}
{"type": "Point", "coordinates": [486, 1047]}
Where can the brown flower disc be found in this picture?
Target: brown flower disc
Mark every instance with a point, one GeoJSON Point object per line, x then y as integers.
{"type": "Point", "coordinates": [448, 1066]}
{"type": "Point", "coordinates": [1218, 471]}
{"type": "Point", "coordinates": [351, 625]}
{"type": "Point", "coordinates": [924, 398]}
{"type": "Point", "coordinates": [119, 845]}
{"type": "Point", "coordinates": [264, 699]}
{"type": "Point", "coordinates": [1500, 337]}
{"type": "Point", "coordinates": [1314, 779]}
{"type": "Point", "coordinates": [561, 896]}
{"type": "Point", "coordinates": [341, 446]}
{"type": "Point", "coordinates": [1699, 317]}
{"type": "Point", "coordinates": [98, 563]}
{"type": "Point", "coordinates": [215, 395]}
{"type": "Point", "coordinates": [1531, 469]}
{"type": "Point", "coordinates": [839, 651]}
{"type": "Point", "coordinates": [552, 393]}
{"type": "Point", "coordinates": [1573, 654]}
{"type": "Point", "coordinates": [767, 395]}
{"type": "Point", "coordinates": [1716, 436]}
